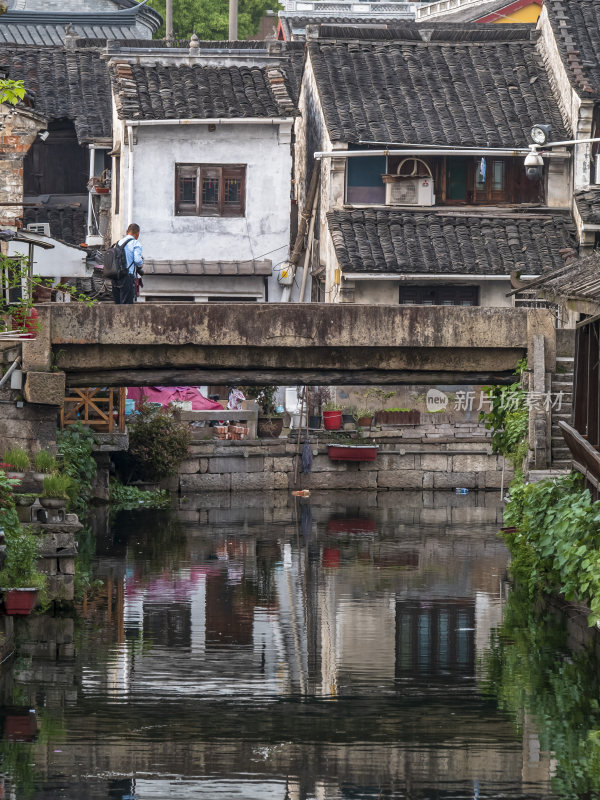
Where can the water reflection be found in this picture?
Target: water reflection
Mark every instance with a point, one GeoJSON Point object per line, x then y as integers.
{"type": "Point", "coordinates": [264, 647]}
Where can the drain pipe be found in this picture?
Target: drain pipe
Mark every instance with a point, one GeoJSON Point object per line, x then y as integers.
{"type": "Point", "coordinates": [307, 214]}
{"type": "Point", "coordinates": [129, 178]}
{"type": "Point", "coordinates": [311, 231]}
{"type": "Point", "coordinates": [10, 371]}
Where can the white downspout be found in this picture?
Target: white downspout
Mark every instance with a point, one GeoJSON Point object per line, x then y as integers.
{"type": "Point", "coordinates": [129, 178]}
{"type": "Point", "coordinates": [90, 196]}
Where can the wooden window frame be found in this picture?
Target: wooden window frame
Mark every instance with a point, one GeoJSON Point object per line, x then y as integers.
{"type": "Point", "coordinates": [222, 172]}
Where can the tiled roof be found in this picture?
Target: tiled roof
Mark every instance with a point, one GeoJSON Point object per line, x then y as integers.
{"type": "Point", "coordinates": [67, 223]}
{"type": "Point", "coordinates": [576, 26]}
{"type": "Point", "coordinates": [461, 92]}
{"type": "Point", "coordinates": [588, 205]}
{"type": "Point", "coordinates": [46, 28]}
{"type": "Point", "coordinates": [294, 25]}
{"type": "Point", "coordinates": [414, 242]}
{"type": "Point", "coordinates": [71, 84]}
{"type": "Point", "coordinates": [200, 91]}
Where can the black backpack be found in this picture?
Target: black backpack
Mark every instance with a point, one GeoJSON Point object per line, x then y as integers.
{"type": "Point", "coordinates": [115, 261]}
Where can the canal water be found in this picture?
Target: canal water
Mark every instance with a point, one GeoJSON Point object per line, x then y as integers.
{"type": "Point", "coordinates": [270, 648]}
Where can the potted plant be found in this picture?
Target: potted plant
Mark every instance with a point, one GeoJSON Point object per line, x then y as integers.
{"type": "Point", "coordinates": [270, 421]}
{"type": "Point", "coordinates": [363, 417]}
{"type": "Point", "coordinates": [317, 396]}
{"type": "Point", "coordinates": [16, 462]}
{"type": "Point", "coordinates": [332, 416]}
{"type": "Point", "coordinates": [20, 579]}
{"type": "Point", "coordinates": [56, 491]}
{"type": "Point", "coordinates": [44, 463]}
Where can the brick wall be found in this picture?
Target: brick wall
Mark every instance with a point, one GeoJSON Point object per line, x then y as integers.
{"type": "Point", "coordinates": [18, 129]}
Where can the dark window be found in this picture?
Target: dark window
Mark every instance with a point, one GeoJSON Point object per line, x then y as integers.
{"type": "Point", "coordinates": [439, 295]}
{"type": "Point", "coordinates": [58, 165]}
{"type": "Point", "coordinates": [210, 190]}
{"type": "Point", "coordinates": [365, 184]}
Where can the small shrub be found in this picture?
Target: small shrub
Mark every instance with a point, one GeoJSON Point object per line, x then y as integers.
{"type": "Point", "coordinates": [264, 396]}
{"type": "Point", "coordinates": [58, 485]}
{"type": "Point", "coordinates": [332, 407]}
{"type": "Point", "coordinates": [7, 488]}
{"type": "Point", "coordinates": [157, 444]}
{"type": "Point", "coordinates": [20, 568]}
{"type": "Point", "coordinates": [17, 458]}
{"type": "Point", "coordinates": [130, 497]}
{"type": "Point", "coordinates": [45, 462]}
{"type": "Point", "coordinates": [75, 445]}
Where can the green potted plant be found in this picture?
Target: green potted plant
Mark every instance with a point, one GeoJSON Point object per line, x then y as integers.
{"type": "Point", "coordinates": [56, 491]}
{"type": "Point", "coordinates": [363, 417]}
{"type": "Point", "coordinates": [44, 463]}
{"type": "Point", "coordinates": [332, 416]}
{"type": "Point", "coordinates": [20, 580]}
{"type": "Point", "coordinates": [270, 421]}
{"type": "Point", "coordinates": [16, 462]}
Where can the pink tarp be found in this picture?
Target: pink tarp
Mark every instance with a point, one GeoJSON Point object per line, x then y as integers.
{"type": "Point", "coordinates": [170, 394]}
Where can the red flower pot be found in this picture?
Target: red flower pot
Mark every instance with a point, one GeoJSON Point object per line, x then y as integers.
{"type": "Point", "coordinates": [19, 601]}
{"type": "Point", "coordinates": [332, 420]}
{"type": "Point", "coordinates": [331, 557]}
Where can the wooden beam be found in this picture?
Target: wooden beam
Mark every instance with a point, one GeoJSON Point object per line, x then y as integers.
{"type": "Point", "coordinates": [281, 377]}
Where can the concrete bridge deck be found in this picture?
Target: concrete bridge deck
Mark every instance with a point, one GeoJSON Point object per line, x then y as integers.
{"type": "Point", "coordinates": [241, 343]}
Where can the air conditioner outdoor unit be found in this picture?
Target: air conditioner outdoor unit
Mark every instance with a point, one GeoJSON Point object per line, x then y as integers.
{"type": "Point", "coordinates": [43, 228]}
{"type": "Point", "coordinates": [410, 192]}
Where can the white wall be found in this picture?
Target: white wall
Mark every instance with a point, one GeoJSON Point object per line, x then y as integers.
{"type": "Point", "coordinates": [491, 293]}
{"type": "Point", "coordinates": [264, 231]}
{"type": "Point", "coordinates": [60, 262]}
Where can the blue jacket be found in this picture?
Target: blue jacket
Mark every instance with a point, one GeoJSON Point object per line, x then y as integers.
{"type": "Point", "coordinates": [133, 254]}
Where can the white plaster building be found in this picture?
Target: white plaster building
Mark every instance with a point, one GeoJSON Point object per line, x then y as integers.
{"type": "Point", "coordinates": [202, 161]}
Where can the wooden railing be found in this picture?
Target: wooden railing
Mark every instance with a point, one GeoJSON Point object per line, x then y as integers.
{"type": "Point", "coordinates": [100, 409]}
{"type": "Point", "coordinates": [586, 459]}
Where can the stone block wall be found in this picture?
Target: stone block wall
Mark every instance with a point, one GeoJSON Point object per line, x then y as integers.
{"type": "Point", "coordinates": [269, 465]}
{"type": "Point", "coordinates": [30, 426]}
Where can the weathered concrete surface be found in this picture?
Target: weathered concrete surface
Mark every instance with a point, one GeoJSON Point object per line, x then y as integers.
{"type": "Point", "coordinates": [271, 342]}
{"type": "Point", "coordinates": [45, 388]}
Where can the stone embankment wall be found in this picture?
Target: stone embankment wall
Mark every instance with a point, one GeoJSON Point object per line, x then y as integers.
{"type": "Point", "coordinates": [403, 462]}
{"type": "Point", "coordinates": [26, 425]}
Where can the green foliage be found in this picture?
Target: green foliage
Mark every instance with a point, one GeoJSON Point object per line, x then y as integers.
{"type": "Point", "coordinates": [58, 485]}
{"type": "Point", "coordinates": [530, 669]}
{"type": "Point", "coordinates": [264, 396]}
{"type": "Point", "coordinates": [331, 406]}
{"type": "Point", "coordinates": [508, 419]}
{"type": "Point", "coordinates": [360, 413]}
{"type": "Point", "coordinates": [396, 410]}
{"type": "Point", "coordinates": [7, 488]}
{"type": "Point", "coordinates": [130, 497]}
{"type": "Point", "coordinates": [19, 569]}
{"type": "Point", "coordinates": [17, 458]}
{"type": "Point", "coordinates": [157, 443]}
{"type": "Point", "coordinates": [380, 395]}
{"type": "Point", "coordinates": [15, 273]}
{"type": "Point", "coordinates": [11, 91]}
{"type": "Point", "coordinates": [556, 545]}
{"type": "Point", "coordinates": [210, 18]}
{"type": "Point", "coordinates": [75, 445]}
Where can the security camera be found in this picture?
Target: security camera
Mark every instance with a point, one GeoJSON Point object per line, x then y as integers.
{"type": "Point", "coordinates": [534, 166]}
{"type": "Point", "coordinates": [44, 135]}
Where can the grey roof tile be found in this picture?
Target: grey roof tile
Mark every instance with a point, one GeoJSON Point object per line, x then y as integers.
{"type": "Point", "coordinates": [201, 91]}
{"type": "Point", "coordinates": [71, 84]}
{"type": "Point", "coordinates": [398, 241]}
{"type": "Point", "coordinates": [460, 91]}
{"type": "Point", "coordinates": [576, 26]}
{"type": "Point", "coordinates": [588, 205]}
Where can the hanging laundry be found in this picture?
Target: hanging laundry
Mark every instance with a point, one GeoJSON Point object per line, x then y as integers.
{"type": "Point", "coordinates": [482, 169]}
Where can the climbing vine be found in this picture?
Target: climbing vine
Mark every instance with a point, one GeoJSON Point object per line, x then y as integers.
{"type": "Point", "coordinates": [508, 419]}
{"type": "Point", "coordinates": [553, 534]}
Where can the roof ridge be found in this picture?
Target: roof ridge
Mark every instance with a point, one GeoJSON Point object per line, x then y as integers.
{"type": "Point", "coordinates": [277, 79]}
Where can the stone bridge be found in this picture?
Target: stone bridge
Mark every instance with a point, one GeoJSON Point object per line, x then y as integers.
{"type": "Point", "coordinates": [241, 343]}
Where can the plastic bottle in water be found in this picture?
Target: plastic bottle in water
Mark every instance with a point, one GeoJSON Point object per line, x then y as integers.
{"type": "Point", "coordinates": [462, 491]}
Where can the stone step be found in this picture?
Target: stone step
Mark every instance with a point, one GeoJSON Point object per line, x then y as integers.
{"type": "Point", "coordinates": [561, 464]}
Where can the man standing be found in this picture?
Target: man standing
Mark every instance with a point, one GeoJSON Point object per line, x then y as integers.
{"type": "Point", "coordinates": [124, 290]}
